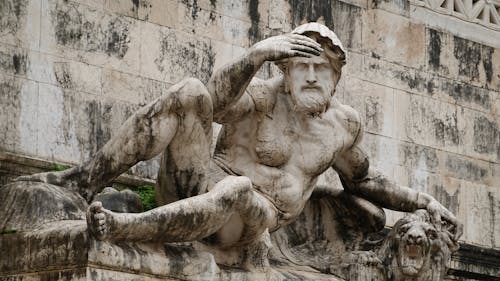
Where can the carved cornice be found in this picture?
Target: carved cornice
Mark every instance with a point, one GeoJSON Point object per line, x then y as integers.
{"type": "Point", "coordinates": [483, 12]}
{"type": "Point", "coordinates": [475, 262]}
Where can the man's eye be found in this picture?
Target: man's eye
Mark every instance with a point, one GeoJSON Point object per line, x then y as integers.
{"type": "Point", "coordinates": [301, 66]}
{"type": "Point", "coordinates": [322, 66]}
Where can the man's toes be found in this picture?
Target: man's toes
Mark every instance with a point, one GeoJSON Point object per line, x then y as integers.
{"type": "Point", "coordinates": [95, 207]}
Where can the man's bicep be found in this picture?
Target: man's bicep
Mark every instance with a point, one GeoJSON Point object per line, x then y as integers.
{"type": "Point", "coordinates": [244, 106]}
{"type": "Point", "coordinates": [352, 164]}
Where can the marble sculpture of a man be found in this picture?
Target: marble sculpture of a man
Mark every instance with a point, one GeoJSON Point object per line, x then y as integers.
{"type": "Point", "coordinates": [278, 136]}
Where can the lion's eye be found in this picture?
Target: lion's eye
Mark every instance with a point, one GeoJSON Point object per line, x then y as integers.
{"type": "Point", "coordinates": [432, 234]}
{"type": "Point", "coordinates": [403, 229]}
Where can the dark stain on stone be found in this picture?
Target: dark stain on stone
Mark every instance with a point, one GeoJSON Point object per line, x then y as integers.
{"type": "Point", "coordinates": [375, 56]}
{"type": "Point", "coordinates": [14, 61]}
{"type": "Point", "coordinates": [311, 10]}
{"type": "Point", "coordinates": [374, 113]}
{"type": "Point", "coordinates": [345, 21]}
{"type": "Point", "coordinates": [136, 4]}
{"type": "Point", "coordinates": [468, 54]}
{"type": "Point", "coordinates": [118, 41]}
{"type": "Point", "coordinates": [493, 220]}
{"type": "Point", "coordinates": [74, 30]}
{"type": "Point", "coordinates": [193, 58]}
{"type": "Point", "coordinates": [434, 49]}
{"type": "Point", "coordinates": [213, 3]}
{"type": "Point", "coordinates": [374, 66]}
{"type": "Point", "coordinates": [194, 10]}
{"type": "Point", "coordinates": [450, 201]}
{"type": "Point", "coordinates": [413, 155]}
{"type": "Point", "coordinates": [68, 27]}
{"type": "Point", "coordinates": [486, 136]}
{"type": "Point", "coordinates": [253, 12]}
{"type": "Point", "coordinates": [466, 93]}
{"type": "Point", "coordinates": [487, 53]}
{"type": "Point", "coordinates": [416, 82]}
{"type": "Point", "coordinates": [12, 15]}
{"type": "Point", "coordinates": [63, 75]}
{"type": "Point", "coordinates": [403, 5]}
{"type": "Point", "coordinates": [9, 113]}
{"type": "Point", "coordinates": [447, 130]}
{"type": "Point", "coordinates": [462, 168]}
{"type": "Point", "coordinates": [18, 63]}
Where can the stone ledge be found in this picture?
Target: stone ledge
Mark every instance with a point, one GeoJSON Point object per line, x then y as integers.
{"type": "Point", "coordinates": [64, 251]}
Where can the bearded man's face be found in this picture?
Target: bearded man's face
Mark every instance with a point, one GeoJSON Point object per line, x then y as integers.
{"type": "Point", "coordinates": [312, 83]}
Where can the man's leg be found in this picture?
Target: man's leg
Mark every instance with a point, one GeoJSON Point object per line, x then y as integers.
{"type": "Point", "coordinates": [192, 218]}
{"type": "Point", "coordinates": [183, 113]}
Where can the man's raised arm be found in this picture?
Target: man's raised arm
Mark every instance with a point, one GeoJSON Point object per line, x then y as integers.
{"type": "Point", "coordinates": [228, 84]}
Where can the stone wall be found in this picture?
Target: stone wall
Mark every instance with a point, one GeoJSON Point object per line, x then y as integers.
{"type": "Point", "coordinates": [427, 84]}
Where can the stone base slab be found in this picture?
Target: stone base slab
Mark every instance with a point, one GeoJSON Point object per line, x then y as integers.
{"type": "Point", "coordinates": [64, 251]}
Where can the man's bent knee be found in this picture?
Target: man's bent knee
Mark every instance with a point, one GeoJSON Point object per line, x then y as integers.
{"type": "Point", "coordinates": [193, 95]}
{"type": "Point", "coordinates": [233, 188]}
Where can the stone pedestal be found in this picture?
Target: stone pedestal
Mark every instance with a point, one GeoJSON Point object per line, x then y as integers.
{"type": "Point", "coordinates": [64, 251]}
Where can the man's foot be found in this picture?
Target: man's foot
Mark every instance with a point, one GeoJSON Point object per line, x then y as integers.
{"type": "Point", "coordinates": [66, 178]}
{"type": "Point", "coordinates": [99, 221]}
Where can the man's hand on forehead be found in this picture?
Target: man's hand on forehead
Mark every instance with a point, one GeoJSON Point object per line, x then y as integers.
{"type": "Point", "coordinates": [285, 46]}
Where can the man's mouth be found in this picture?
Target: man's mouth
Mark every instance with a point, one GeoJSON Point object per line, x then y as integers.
{"type": "Point", "coordinates": [308, 88]}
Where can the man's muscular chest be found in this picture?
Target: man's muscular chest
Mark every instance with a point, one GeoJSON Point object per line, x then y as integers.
{"type": "Point", "coordinates": [307, 143]}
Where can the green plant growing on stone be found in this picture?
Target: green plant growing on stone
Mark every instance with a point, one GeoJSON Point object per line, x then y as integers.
{"type": "Point", "coordinates": [8, 231]}
{"type": "Point", "coordinates": [59, 167]}
{"type": "Point", "coordinates": [147, 194]}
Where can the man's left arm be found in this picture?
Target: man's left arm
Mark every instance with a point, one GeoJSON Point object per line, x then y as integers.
{"type": "Point", "coordinates": [359, 178]}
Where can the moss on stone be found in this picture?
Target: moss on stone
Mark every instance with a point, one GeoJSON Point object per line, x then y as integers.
{"type": "Point", "coordinates": [59, 167]}
{"type": "Point", "coordinates": [147, 194]}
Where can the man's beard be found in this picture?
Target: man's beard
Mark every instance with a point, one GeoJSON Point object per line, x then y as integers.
{"type": "Point", "coordinates": [311, 102]}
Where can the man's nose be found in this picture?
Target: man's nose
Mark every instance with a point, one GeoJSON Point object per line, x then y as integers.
{"type": "Point", "coordinates": [311, 75]}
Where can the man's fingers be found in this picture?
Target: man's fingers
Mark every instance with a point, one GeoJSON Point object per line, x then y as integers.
{"type": "Point", "coordinates": [312, 45]}
{"type": "Point", "coordinates": [297, 53]}
{"type": "Point", "coordinates": [306, 39]}
{"type": "Point", "coordinates": [306, 49]}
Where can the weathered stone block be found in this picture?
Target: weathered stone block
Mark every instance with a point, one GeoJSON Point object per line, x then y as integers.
{"type": "Point", "coordinates": [67, 122]}
{"type": "Point", "coordinates": [375, 104]}
{"type": "Point", "coordinates": [73, 30]}
{"type": "Point", "coordinates": [462, 59]}
{"type": "Point", "coordinates": [347, 25]}
{"type": "Point", "coordinates": [130, 87]}
{"type": "Point", "coordinates": [19, 104]}
{"type": "Point", "coordinates": [170, 56]}
{"type": "Point", "coordinates": [20, 23]}
{"type": "Point", "coordinates": [435, 124]}
{"type": "Point", "coordinates": [382, 151]}
{"type": "Point", "coordinates": [399, 7]}
{"type": "Point", "coordinates": [232, 29]}
{"type": "Point", "coordinates": [398, 76]}
{"type": "Point", "coordinates": [66, 74]}
{"type": "Point", "coordinates": [394, 38]}
{"type": "Point", "coordinates": [14, 60]}
{"type": "Point", "coordinates": [418, 157]}
{"type": "Point", "coordinates": [464, 94]}
{"type": "Point", "coordinates": [110, 115]}
{"type": "Point", "coordinates": [311, 11]}
{"type": "Point", "coordinates": [479, 208]}
{"type": "Point", "coordinates": [481, 135]}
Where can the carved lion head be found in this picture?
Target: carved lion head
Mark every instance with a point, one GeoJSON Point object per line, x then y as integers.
{"type": "Point", "coordinates": [416, 249]}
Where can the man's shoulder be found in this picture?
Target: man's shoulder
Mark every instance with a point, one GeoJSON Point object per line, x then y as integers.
{"type": "Point", "coordinates": [263, 93]}
{"type": "Point", "coordinates": [347, 116]}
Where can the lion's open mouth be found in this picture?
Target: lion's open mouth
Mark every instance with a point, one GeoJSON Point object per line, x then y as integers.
{"type": "Point", "coordinates": [411, 258]}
